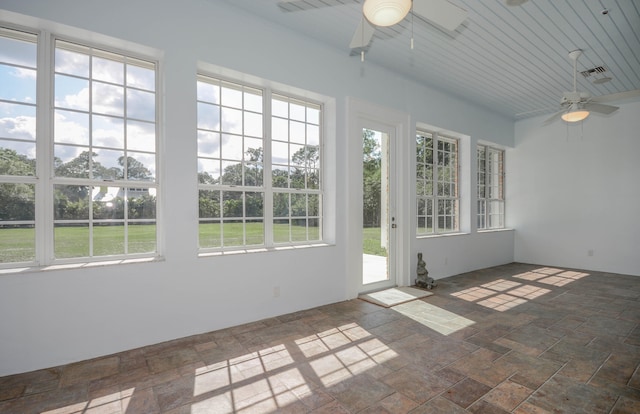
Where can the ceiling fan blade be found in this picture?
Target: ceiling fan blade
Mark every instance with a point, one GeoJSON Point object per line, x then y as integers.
{"type": "Point", "coordinates": [441, 13]}
{"type": "Point", "coordinates": [554, 117]}
{"type": "Point", "coordinates": [600, 108]}
{"type": "Point", "coordinates": [363, 35]}
{"type": "Point", "coordinates": [620, 96]}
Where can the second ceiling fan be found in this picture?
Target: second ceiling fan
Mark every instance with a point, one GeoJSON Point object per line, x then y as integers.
{"type": "Point", "coordinates": [576, 106]}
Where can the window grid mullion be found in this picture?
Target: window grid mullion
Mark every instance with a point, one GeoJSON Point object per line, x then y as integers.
{"type": "Point", "coordinates": [44, 150]}
{"type": "Point", "coordinates": [91, 169]}
{"type": "Point", "coordinates": [267, 169]}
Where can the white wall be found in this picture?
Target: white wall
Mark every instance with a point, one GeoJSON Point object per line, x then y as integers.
{"type": "Point", "coordinates": [55, 317]}
{"type": "Point", "coordinates": [454, 254]}
{"type": "Point", "coordinates": [572, 189]}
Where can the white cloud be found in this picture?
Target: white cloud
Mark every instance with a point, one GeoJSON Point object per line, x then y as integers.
{"type": "Point", "coordinates": [108, 70]}
{"type": "Point", "coordinates": [208, 144]}
{"type": "Point", "coordinates": [23, 73]}
{"type": "Point", "coordinates": [70, 131]}
{"type": "Point", "coordinates": [108, 99]}
{"type": "Point", "coordinates": [72, 63]}
{"type": "Point", "coordinates": [79, 100]}
{"type": "Point", "coordinates": [141, 77]}
{"type": "Point", "coordinates": [20, 127]}
{"type": "Point", "coordinates": [107, 138]}
{"type": "Point", "coordinates": [141, 105]}
{"type": "Point", "coordinates": [141, 136]}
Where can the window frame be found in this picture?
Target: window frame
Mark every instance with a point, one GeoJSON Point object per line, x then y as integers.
{"type": "Point", "coordinates": [45, 179]}
{"type": "Point", "coordinates": [125, 184]}
{"type": "Point", "coordinates": [429, 207]}
{"type": "Point", "coordinates": [268, 189]}
{"type": "Point", "coordinates": [486, 185]}
{"type": "Point", "coordinates": [307, 191]}
{"type": "Point", "coordinates": [31, 180]}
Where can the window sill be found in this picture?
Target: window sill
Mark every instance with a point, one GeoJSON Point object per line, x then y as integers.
{"type": "Point", "coordinates": [262, 250]}
{"type": "Point", "coordinates": [495, 230]}
{"type": "Point", "coordinates": [435, 236]}
{"type": "Point", "coordinates": [81, 265]}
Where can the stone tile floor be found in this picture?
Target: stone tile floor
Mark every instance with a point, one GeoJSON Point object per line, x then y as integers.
{"type": "Point", "coordinates": [509, 339]}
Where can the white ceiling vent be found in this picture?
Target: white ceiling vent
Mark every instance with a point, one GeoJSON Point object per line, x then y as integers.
{"type": "Point", "coordinates": [596, 70]}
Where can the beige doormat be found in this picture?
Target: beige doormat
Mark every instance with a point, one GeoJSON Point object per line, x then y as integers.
{"type": "Point", "coordinates": [395, 296]}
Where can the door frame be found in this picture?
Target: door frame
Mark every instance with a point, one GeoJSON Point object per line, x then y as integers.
{"type": "Point", "coordinates": [362, 114]}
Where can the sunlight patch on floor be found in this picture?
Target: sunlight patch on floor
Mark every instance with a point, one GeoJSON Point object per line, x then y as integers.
{"type": "Point", "coordinates": [502, 302]}
{"type": "Point", "coordinates": [498, 295]}
{"type": "Point", "coordinates": [502, 294]}
{"type": "Point", "coordinates": [113, 403]}
{"type": "Point", "coordinates": [501, 285]}
{"type": "Point", "coordinates": [552, 276]}
{"type": "Point", "coordinates": [271, 378]}
{"type": "Point", "coordinates": [433, 317]}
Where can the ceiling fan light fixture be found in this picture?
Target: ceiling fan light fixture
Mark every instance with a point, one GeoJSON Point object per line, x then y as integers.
{"type": "Point", "coordinates": [575, 115]}
{"type": "Point", "coordinates": [386, 12]}
{"type": "Point", "coordinates": [600, 81]}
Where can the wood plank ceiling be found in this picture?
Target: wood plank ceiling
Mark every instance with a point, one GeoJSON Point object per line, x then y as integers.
{"type": "Point", "coordinates": [513, 60]}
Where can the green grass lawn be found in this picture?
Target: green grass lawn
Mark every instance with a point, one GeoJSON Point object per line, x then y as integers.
{"type": "Point", "coordinates": [107, 240]}
{"type": "Point", "coordinates": [18, 245]}
{"type": "Point", "coordinates": [211, 234]}
{"type": "Point", "coordinates": [371, 242]}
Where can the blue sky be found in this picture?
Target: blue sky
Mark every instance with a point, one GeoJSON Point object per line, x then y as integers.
{"type": "Point", "coordinates": [122, 100]}
{"type": "Point", "coordinates": [81, 84]}
{"type": "Point", "coordinates": [222, 123]}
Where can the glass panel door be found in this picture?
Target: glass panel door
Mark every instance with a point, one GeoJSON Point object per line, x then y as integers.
{"type": "Point", "coordinates": [377, 219]}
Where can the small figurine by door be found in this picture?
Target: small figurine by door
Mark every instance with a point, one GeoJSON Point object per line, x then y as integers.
{"type": "Point", "coordinates": [423, 280]}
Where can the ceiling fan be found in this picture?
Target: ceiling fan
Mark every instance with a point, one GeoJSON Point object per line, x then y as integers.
{"type": "Point", "coordinates": [383, 13]}
{"type": "Point", "coordinates": [576, 106]}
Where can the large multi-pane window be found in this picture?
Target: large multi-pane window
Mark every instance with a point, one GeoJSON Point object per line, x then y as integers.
{"type": "Point", "coordinates": [91, 171]}
{"type": "Point", "coordinates": [258, 167]}
{"type": "Point", "coordinates": [490, 188]}
{"type": "Point", "coordinates": [436, 183]}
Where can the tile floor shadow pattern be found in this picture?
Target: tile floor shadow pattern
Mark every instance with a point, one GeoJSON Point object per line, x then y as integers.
{"type": "Point", "coordinates": [540, 340]}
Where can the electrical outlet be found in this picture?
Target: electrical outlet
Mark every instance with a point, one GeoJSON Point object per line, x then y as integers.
{"type": "Point", "coordinates": [276, 291]}
{"type": "Point", "coordinates": [590, 252]}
